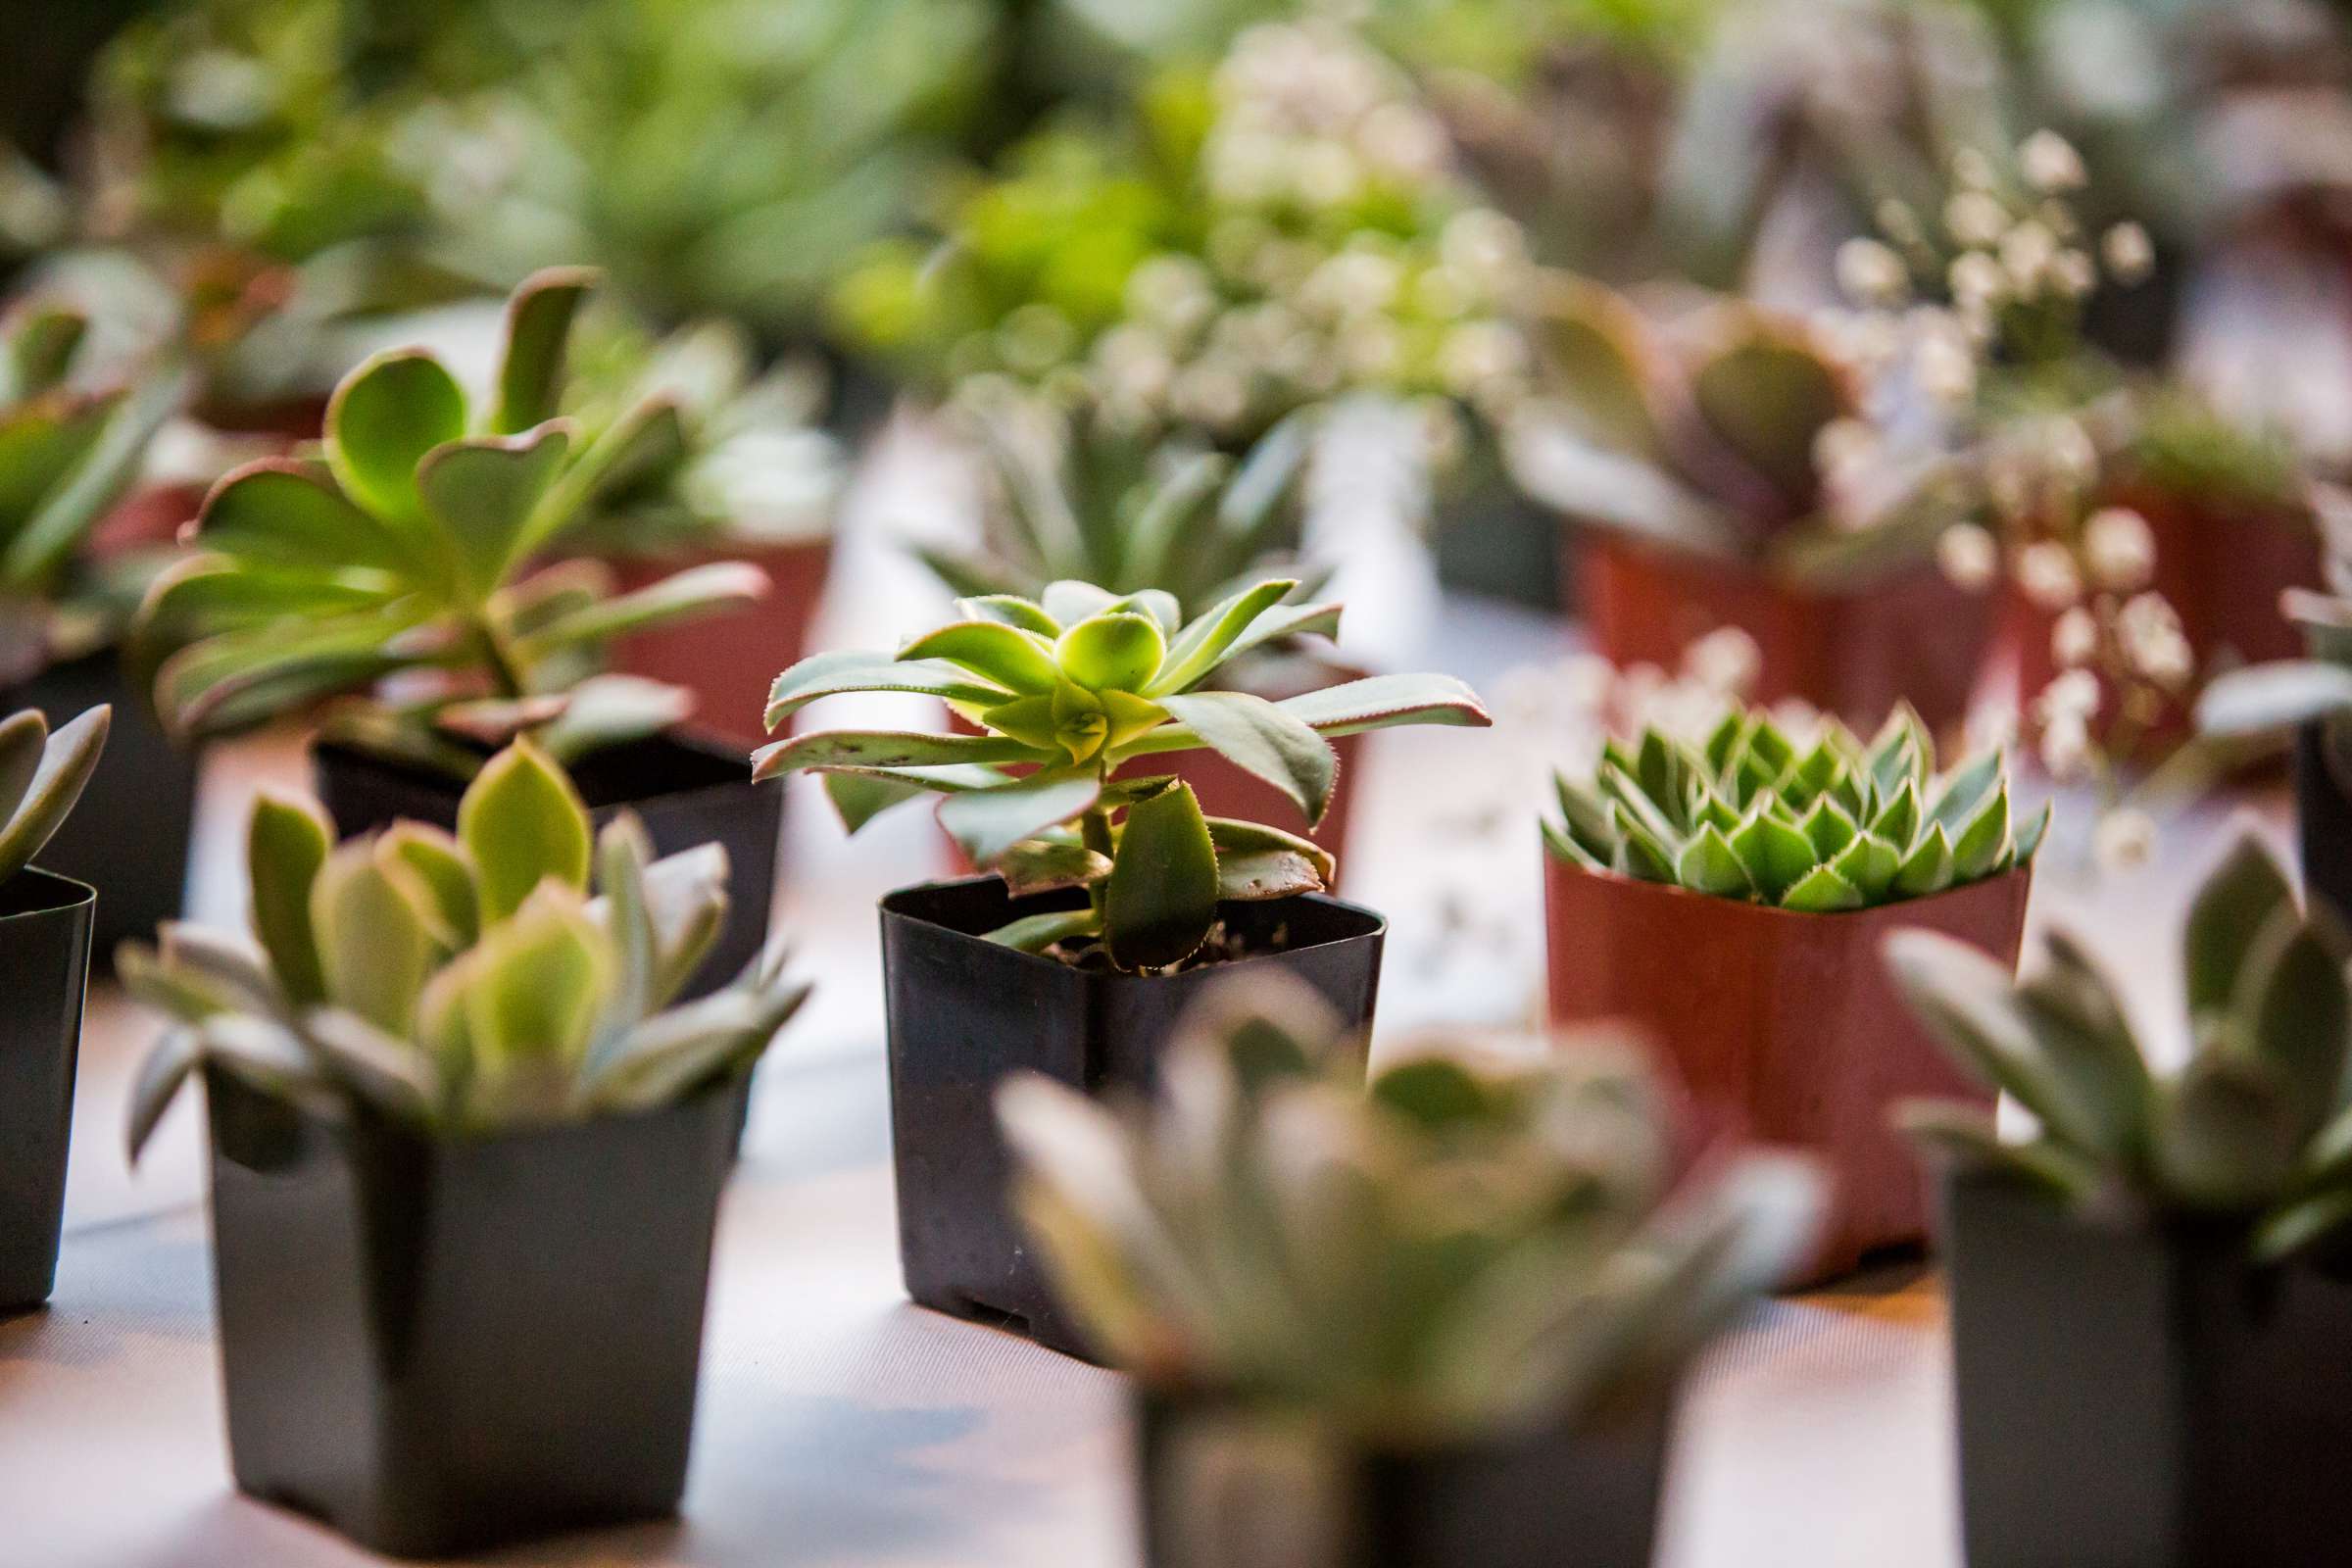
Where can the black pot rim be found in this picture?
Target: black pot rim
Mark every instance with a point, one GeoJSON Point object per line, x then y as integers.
{"type": "Point", "coordinates": [684, 737]}
{"type": "Point", "coordinates": [892, 905]}
{"type": "Point", "coordinates": [54, 893]}
{"type": "Point", "coordinates": [524, 1136]}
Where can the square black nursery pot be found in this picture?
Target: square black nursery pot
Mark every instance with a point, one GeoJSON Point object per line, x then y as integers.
{"type": "Point", "coordinates": [45, 958]}
{"type": "Point", "coordinates": [964, 1013]}
{"type": "Point", "coordinates": [687, 789]}
{"type": "Point", "coordinates": [437, 1347]}
{"type": "Point", "coordinates": [1225, 1484]}
{"type": "Point", "coordinates": [128, 835]}
{"type": "Point", "coordinates": [2142, 1398]}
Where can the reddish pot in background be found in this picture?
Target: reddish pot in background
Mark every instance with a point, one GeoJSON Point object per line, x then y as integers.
{"type": "Point", "coordinates": [2221, 573]}
{"type": "Point", "coordinates": [1852, 651]}
{"type": "Point", "coordinates": [729, 661]}
{"type": "Point", "coordinates": [1783, 1025]}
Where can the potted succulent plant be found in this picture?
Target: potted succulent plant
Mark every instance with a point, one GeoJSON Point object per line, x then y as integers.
{"type": "Point", "coordinates": [1730, 467]}
{"type": "Point", "coordinates": [66, 594]}
{"type": "Point", "coordinates": [388, 585]}
{"type": "Point", "coordinates": [1449, 1333]}
{"type": "Point", "coordinates": [1775, 865]}
{"type": "Point", "coordinates": [2150, 1291]}
{"type": "Point", "coordinates": [459, 1081]}
{"type": "Point", "coordinates": [1115, 900]}
{"type": "Point", "coordinates": [45, 924]}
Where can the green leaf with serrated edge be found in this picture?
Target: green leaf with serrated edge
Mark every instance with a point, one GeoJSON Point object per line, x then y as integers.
{"type": "Point", "coordinates": [1161, 897]}
{"type": "Point", "coordinates": [482, 491]}
{"type": "Point", "coordinates": [382, 420]}
{"type": "Point", "coordinates": [1155, 603]}
{"type": "Point", "coordinates": [1116, 650]}
{"type": "Point", "coordinates": [823, 675]}
{"type": "Point", "coordinates": [523, 822]}
{"type": "Point", "coordinates": [1010, 609]}
{"type": "Point", "coordinates": [1828, 829]}
{"type": "Point", "coordinates": [1821, 890]}
{"type": "Point", "coordinates": [714, 588]}
{"type": "Point", "coordinates": [986, 823]}
{"type": "Point", "coordinates": [1713, 808]}
{"type": "Point", "coordinates": [441, 867]}
{"type": "Point", "coordinates": [1622, 790]}
{"type": "Point", "coordinates": [1815, 773]}
{"type": "Point", "coordinates": [375, 949]}
{"type": "Point", "coordinates": [1722, 740]}
{"type": "Point", "coordinates": [168, 1066]}
{"type": "Point", "coordinates": [1709, 864]}
{"type": "Point", "coordinates": [24, 738]}
{"type": "Point", "coordinates": [1965, 793]}
{"type": "Point", "coordinates": [1982, 847]}
{"type": "Point", "coordinates": [1928, 868]}
{"type": "Point", "coordinates": [887, 751]}
{"type": "Point", "coordinates": [1040, 865]}
{"type": "Point", "coordinates": [1267, 875]}
{"type": "Point", "coordinates": [1776, 857]}
{"type": "Point", "coordinates": [67, 759]}
{"type": "Point", "coordinates": [1036, 932]}
{"type": "Point", "coordinates": [2290, 1006]}
{"type": "Point", "coordinates": [538, 330]}
{"type": "Point", "coordinates": [1968, 1001]}
{"type": "Point", "coordinates": [2226, 1134]}
{"type": "Point", "coordinates": [2228, 913]}
{"type": "Point", "coordinates": [1640, 851]}
{"type": "Point", "coordinates": [1238, 838]}
{"type": "Point", "coordinates": [1015, 659]}
{"type": "Point", "coordinates": [1203, 643]}
{"type": "Point", "coordinates": [1869, 863]}
{"type": "Point", "coordinates": [279, 513]}
{"type": "Point", "coordinates": [1770, 747]}
{"type": "Point", "coordinates": [1261, 740]}
{"type": "Point", "coordinates": [1583, 815]}
{"type": "Point", "coordinates": [1656, 772]}
{"type": "Point", "coordinates": [2029, 837]}
{"type": "Point", "coordinates": [1569, 850]}
{"type": "Point", "coordinates": [1897, 821]}
{"type": "Point", "coordinates": [285, 844]}
{"type": "Point", "coordinates": [1964, 1135]}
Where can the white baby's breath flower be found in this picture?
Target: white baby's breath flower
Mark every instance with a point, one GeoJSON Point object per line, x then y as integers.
{"type": "Point", "coordinates": [1035, 337]}
{"type": "Point", "coordinates": [1404, 140]}
{"type": "Point", "coordinates": [1726, 661]}
{"type": "Point", "coordinates": [2066, 747]}
{"type": "Point", "coordinates": [2050, 162]}
{"type": "Point", "coordinates": [2046, 574]}
{"type": "Point", "coordinates": [1479, 351]}
{"type": "Point", "coordinates": [1484, 246]}
{"type": "Point", "coordinates": [1898, 222]}
{"type": "Point", "coordinates": [2073, 694]}
{"type": "Point", "coordinates": [1976, 280]}
{"type": "Point", "coordinates": [1172, 291]}
{"type": "Point", "coordinates": [1967, 556]}
{"type": "Point", "coordinates": [1946, 369]}
{"type": "Point", "coordinates": [1975, 219]}
{"type": "Point", "coordinates": [2066, 452]}
{"type": "Point", "coordinates": [2074, 638]}
{"type": "Point", "coordinates": [2119, 548]}
{"type": "Point", "coordinates": [2124, 840]}
{"type": "Point", "coordinates": [1871, 273]}
{"type": "Point", "coordinates": [1325, 174]}
{"type": "Point", "coordinates": [2129, 254]}
{"type": "Point", "coordinates": [2153, 643]}
{"type": "Point", "coordinates": [2073, 272]}
{"type": "Point", "coordinates": [1210, 393]}
{"type": "Point", "coordinates": [1971, 170]}
{"type": "Point", "coordinates": [2027, 252]}
{"type": "Point", "coordinates": [1843, 445]}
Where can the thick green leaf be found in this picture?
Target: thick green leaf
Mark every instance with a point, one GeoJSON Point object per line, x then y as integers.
{"type": "Point", "coordinates": [1034, 933]}
{"type": "Point", "coordinates": [1821, 890]}
{"type": "Point", "coordinates": [67, 759]}
{"type": "Point", "coordinates": [1897, 821]}
{"type": "Point", "coordinates": [1585, 816]}
{"type": "Point", "coordinates": [2234, 905]}
{"type": "Point", "coordinates": [441, 867]}
{"type": "Point", "coordinates": [2030, 836]}
{"type": "Point", "coordinates": [2288, 1230]}
{"type": "Point", "coordinates": [1767, 397]}
{"type": "Point", "coordinates": [379, 1066]}
{"type": "Point", "coordinates": [1965, 1134]}
{"type": "Point", "coordinates": [46, 541]}
{"type": "Point", "coordinates": [1010, 609]}
{"type": "Point", "coordinates": [988, 822]}
{"type": "Point", "coordinates": [2086, 1039]}
{"type": "Point", "coordinates": [1112, 652]}
{"type": "Point", "coordinates": [530, 372]}
{"type": "Point", "coordinates": [1378, 702]}
{"type": "Point", "coordinates": [1015, 659]}
{"type": "Point", "coordinates": [1928, 868]}
{"type": "Point", "coordinates": [23, 740]}
{"type": "Point", "coordinates": [1970, 1002]}
{"type": "Point", "coordinates": [1043, 865]}
{"type": "Point", "coordinates": [483, 491]}
{"type": "Point", "coordinates": [713, 588]}
{"type": "Point", "coordinates": [2290, 1004]}
{"type": "Point", "coordinates": [1640, 851]}
{"type": "Point", "coordinates": [1206, 642]}
{"type": "Point", "coordinates": [1828, 829]}
{"type": "Point", "coordinates": [1235, 840]}
{"type": "Point", "coordinates": [167, 1067]}
{"type": "Point", "coordinates": [531, 1003]}
{"type": "Point", "coordinates": [823, 675]}
{"type": "Point", "coordinates": [1778, 857]}
{"type": "Point", "coordinates": [888, 751]}
{"type": "Point", "coordinates": [607, 711]}
{"type": "Point", "coordinates": [1262, 740]}
{"type": "Point", "coordinates": [382, 420]}
{"type": "Point", "coordinates": [1066, 603]}
{"type": "Point", "coordinates": [279, 513]}
{"type": "Point", "coordinates": [285, 845]}
{"type": "Point", "coordinates": [1709, 864]}
{"type": "Point", "coordinates": [1984, 847]}
{"type": "Point", "coordinates": [1869, 864]}
{"type": "Point", "coordinates": [523, 822]}
{"type": "Point", "coordinates": [1965, 793]}
{"type": "Point", "coordinates": [2226, 1134]}
{"type": "Point", "coordinates": [1282, 623]}
{"type": "Point", "coordinates": [1161, 897]}
{"type": "Point", "coordinates": [674, 1055]}
{"type": "Point", "coordinates": [376, 948]}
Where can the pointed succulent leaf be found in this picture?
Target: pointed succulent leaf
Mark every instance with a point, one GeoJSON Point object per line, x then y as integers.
{"type": "Point", "coordinates": [278, 513]}
{"type": "Point", "coordinates": [441, 867]}
{"type": "Point", "coordinates": [1897, 818]}
{"type": "Point", "coordinates": [1868, 864]}
{"type": "Point", "coordinates": [986, 823]}
{"type": "Point", "coordinates": [671, 1055]}
{"type": "Point", "coordinates": [1928, 867]}
{"type": "Point", "coordinates": [1283, 622]}
{"type": "Point", "coordinates": [1778, 857]}
{"type": "Point", "coordinates": [1640, 853]}
{"type": "Point", "coordinates": [1044, 865]}
{"type": "Point", "coordinates": [1161, 896]}
{"type": "Point", "coordinates": [1378, 701]}
{"type": "Point", "coordinates": [530, 1005]}
{"type": "Point", "coordinates": [1828, 827]}
{"type": "Point", "coordinates": [1034, 933]}
{"type": "Point", "coordinates": [523, 822]}
{"type": "Point", "coordinates": [1964, 1135]}
{"type": "Point", "coordinates": [1584, 815]}
{"type": "Point", "coordinates": [885, 751]}
{"type": "Point", "coordinates": [1984, 846]}
{"type": "Point", "coordinates": [1011, 609]}
{"type": "Point", "coordinates": [1006, 656]}
{"type": "Point", "coordinates": [168, 1066]}
{"type": "Point", "coordinates": [1264, 740]}
{"type": "Point", "coordinates": [381, 1067]}
{"type": "Point", "coordinates": [1821, 890]}
{"type": "Point", "coordinates": [530, 372]}
{"type": "Point", "coordinates": [67, 759]}
{"type": "Point", "coordinates": [2086, 1040]}
{"type": "Point", "coordinates": [2291, 1005]}
{"type": "Point", "coordinates": [23, 740]}
{"type": "Point", "coordinates": [686, 899]}
{"type": "Point", "coordinates": [382, 420]}
{"type": "Point", "coordinates": [2226, 1134]}
{"type": "Point", "coordinates": [1969, 1002]}
{"type": "Point", "coordinates": [1201, 647]}
{"type": "Point", "coordinates": [1068, 602]}
{"type": "Point", "coordinates": [1965, 793]}
{"type": "Point", "coordinates": [1709, 864]}
{"type": "Point", "coordinates": [1157, 604]}
{"type": "Point", "coordinates": [375, 945]}
{"type": "Point", "coordinates": [713, 588]}
{"type": "Point", "coordinates": [2030, 836]}
{"type": "Point", "coordinates": [2244, 894]}
{"type": "Point", "coordinates": [285, 845]}
{"type": "Point", "coordinates": [831, 674]}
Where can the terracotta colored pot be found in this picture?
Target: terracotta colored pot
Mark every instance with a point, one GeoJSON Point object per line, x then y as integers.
{"type": "Point", "coordinates": [729, 661]}
{"type": "Point", "coordinates": [1852, 653]}
{"type": "Point", "coordinates": [2223, 575]}
{"type": "Point", "coordinates": [1781, 1025]}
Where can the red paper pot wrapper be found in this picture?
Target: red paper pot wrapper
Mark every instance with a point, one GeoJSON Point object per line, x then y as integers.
{"type": "Point", "coordinates": [1783, 1025]}
{"type": "Point", "coordinates": [729, 661]}
{"type": "Point", "coordinates": [1913, 636]}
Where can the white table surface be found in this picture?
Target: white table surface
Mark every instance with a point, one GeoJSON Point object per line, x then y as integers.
{"type": "Point", "coordinates": [841, 1425]}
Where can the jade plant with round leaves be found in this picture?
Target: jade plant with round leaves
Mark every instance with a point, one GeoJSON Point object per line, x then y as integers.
{"type": "Point", "coordinates": [1066, 693]}
{"type": "Point", "coordinates": [395, 570]}
{"type": "Point", "coordinates": [42, 777]}
{"type": "Point", "coordinates": [2253, 1130]}
{"type": "Point", "coordinates": [460, 983]}
{"type": "Point", "coordinates": [1753, 816]}
{"type": "Point", "coordinates": [1474, 1244]}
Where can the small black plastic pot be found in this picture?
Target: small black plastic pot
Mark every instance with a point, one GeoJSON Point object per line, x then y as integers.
{"type": "Point", "coordinates": [44, 959]}
{"type": "Point", "coordinates": [2323, 813]}
{"type": "Point", "coordinates": [687, 791]}
{"type": "Point", "coordinates": [436, 1346]}
{"type": "Point", "coordinates": [1226, 1482]}
{"type": "Point", "coordinates": [2142, 1398]}
{"type": "Point", "coordinates": [128, 835]}
{"type": "Point", "coordinates": [964, 1013]}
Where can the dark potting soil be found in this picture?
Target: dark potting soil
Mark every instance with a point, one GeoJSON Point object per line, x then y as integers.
{"type": "Point", "coordinates": [1223, 947]}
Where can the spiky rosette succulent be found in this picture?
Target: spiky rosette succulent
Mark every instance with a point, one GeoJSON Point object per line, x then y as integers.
{"type": "Point", "coordinates": [2253, 1130]}
{"type": "Point", "coordinates": [394, 570]}
{"type": "Point", "coordinates": [1707, 435]}
{"type": "Point", "coordinates": [1066, 693]}
{"type": "Point", "coordinates": [1819, 828]}
{"type": "Point", "coordinates": [465, 982]}
{"type": "Point", "coordinates": [1474, 1244]}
